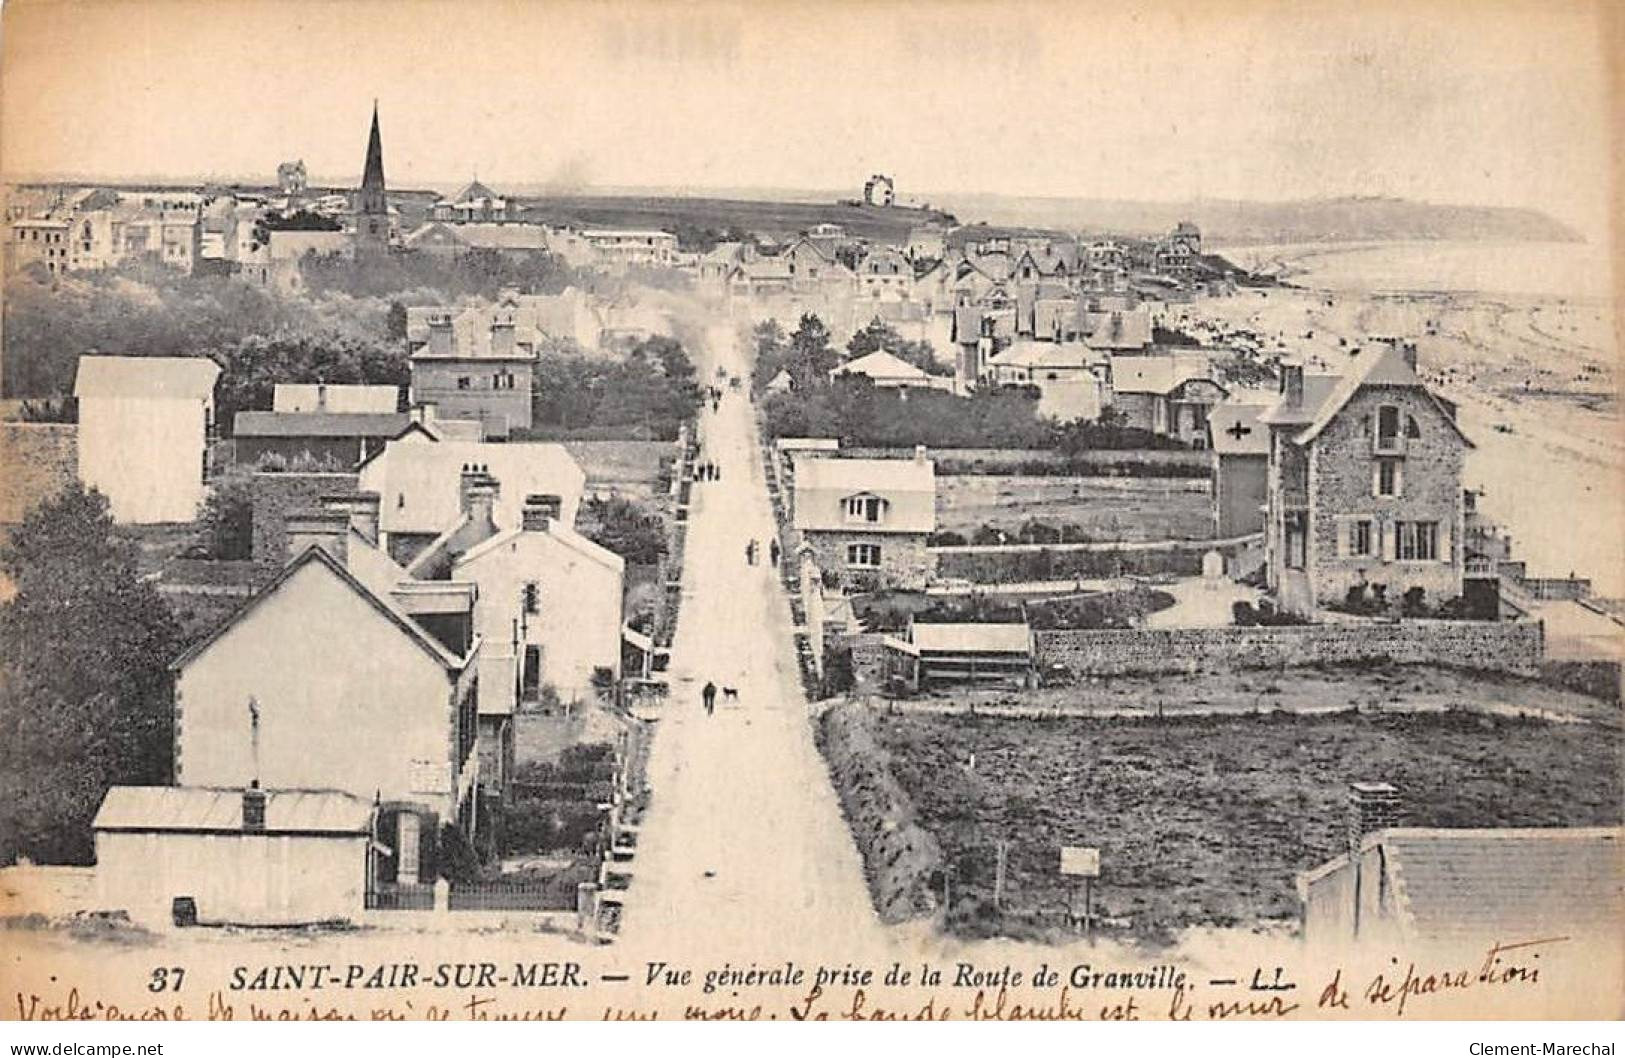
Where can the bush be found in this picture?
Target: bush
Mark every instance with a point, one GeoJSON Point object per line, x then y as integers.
{"type": "Point", "coordinates": [458, 860]}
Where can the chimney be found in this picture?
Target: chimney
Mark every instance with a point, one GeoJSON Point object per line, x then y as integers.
{"type": "Point", "coordinates": [326, 529]}
{"type": "Point", "coordinates": [541, 509]}
{"type": "Point", "coordinates": [1292, 382]}
{"type": "Point", "coordinates": [919, 453]}
{"type": "Point", "coordinates": [321, 396]}
{"type": "Point", "coordinates": [254, 808]}
{"type": "Point", "coordinates": [502, 332]}
{"type": "Point", "coordinates": [361, 508]}
{"type": "Point", "coordinates": [1373, 806]}
{"type": "Point", "coordinates": [1408, 351]}
{"type": "Point", "coordinates": [440, 334]}
{"type": "Point", "coordinates": [477, 491]}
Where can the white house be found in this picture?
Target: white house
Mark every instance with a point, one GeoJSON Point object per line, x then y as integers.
{"type": "Point", "coordinates": [889, 371]}
{"type": "Point", "coordinates": [420, 483]}
{"type": "Point", "coordinates": [144, 425]}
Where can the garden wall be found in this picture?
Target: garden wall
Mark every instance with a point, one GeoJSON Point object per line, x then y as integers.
{"type": "Point", "coordinates": [1515, 647]}
{"type": "Point", "coordinates": [1011, 563]}
{"type": "Point", "coordinates": [1128, 462]}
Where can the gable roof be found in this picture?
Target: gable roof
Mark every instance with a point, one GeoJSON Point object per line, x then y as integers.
{"type": "Point", "coordinates": [419, 483]}
{"type": "Point", "coordinates": [214, 810]}
{"type": "Point", "coordinates": [1027, 352]}
{"type": "Point", "coordinates": [556, 531]}
{"type": "Point", "coordinates": [1234, 429]}
{"type": "Point", "coordinates": [337, 397]}
{"type": "Point", "coordinates": [316, 555]}
{"type": "Point", "coordinates": [150, 377]}
{"type": "Point", "coordinates": [1317, 389]}
{"type": "Point", "coordinates": [1387, 368]}
{"type": "Point", "coordinates": [866, 475]}
{"type": "Point", "coordinates": [1157, 374]}
{"type": "Point", "coordinates": [971, 637]}
{"type": "Point", "coordinates": [1503, 881]}
{"type": "Point", "coordinates": [880, 364]}
{"type": "Point", "coordinates": [319, 424]}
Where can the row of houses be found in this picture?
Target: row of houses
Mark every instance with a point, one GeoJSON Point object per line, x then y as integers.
{"type": "Point", "coordinates": [357, 712]}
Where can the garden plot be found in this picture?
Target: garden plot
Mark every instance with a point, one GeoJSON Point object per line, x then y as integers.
{"type": "Point", "coordinates": [1093, 509]}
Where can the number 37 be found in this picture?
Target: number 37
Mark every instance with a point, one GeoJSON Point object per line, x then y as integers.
{"type": "Point", "coordinates": [166, 979]}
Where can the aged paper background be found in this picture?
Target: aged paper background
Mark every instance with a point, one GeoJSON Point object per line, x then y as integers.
{"type": "Point", "coordinates": [1159, 101]}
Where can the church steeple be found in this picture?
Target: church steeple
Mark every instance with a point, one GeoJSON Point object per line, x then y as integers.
{"type": "Point", "coordinates": [372, 178]}
{"type": "Point", "coordinates": [372, 206]}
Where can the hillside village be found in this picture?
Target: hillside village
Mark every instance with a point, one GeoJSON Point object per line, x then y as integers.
{"type": "Point", "coordinates": [432, 522]}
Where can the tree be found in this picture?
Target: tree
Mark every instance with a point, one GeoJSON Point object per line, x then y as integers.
{"type": "Point", "coordinates": [227, 515]}
{"type": "Point", "coordinates": [626, 528]}
{"type": "Point", "coordinates": [395, 322]}
{"type": "Point", "coordinates": [84, 683]}
{"type": "Point", "coordinates": [878, 334]}
{"type": "Point", "coordinates": [771, 346]}
{"type": "Point", "coordinates": [811, 357]}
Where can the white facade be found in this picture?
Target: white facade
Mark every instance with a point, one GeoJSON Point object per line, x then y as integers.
{"type": "Point", "coordinates": [375, 717]}
{"type": "Point", "coordinates": [143, 433]}
{"type": "Point", "coordinates": [573, 627]}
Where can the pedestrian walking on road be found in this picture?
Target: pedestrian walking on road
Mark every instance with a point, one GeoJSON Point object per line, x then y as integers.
{"type": "Point", "coordinates": [773, 552]}
{"type": "Point", "coordinates": [750, 553]}
{"type": "Point", "coordinates": [709, 694]}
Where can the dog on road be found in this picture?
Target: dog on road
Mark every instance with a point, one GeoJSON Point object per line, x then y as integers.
{"type": "Point", "coordinates": [730, 694]}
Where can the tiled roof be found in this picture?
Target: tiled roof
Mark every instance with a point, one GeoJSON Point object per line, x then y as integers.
{"type": "Point", "coordinates": [220, 811]}
{"type": "Point", "coordinates": [164, 377]}
{"type": "Point", "coordinates": [319, 424]}
{"type": "Point", "coordinates": [959, 638]}
{"type": "Point", "coordinates": [1234, 429]}
{"type": "Point", "coordinates": [859, 475]}
{"type": "Point", "coordinates": [1156, 374]}
{"type": "Point", "coordinates": [1387, 367]}
{"type": "Point", "coordinates": [1512, 883]}
{"type": "Point", "coordinates": [880, 365]}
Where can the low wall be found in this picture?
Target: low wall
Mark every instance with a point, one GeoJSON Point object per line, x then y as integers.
{"type": "Point", "coordinates": [1514, 647]}
{"type": "Point", "coordinates": [1015, 563]}
{"type": "Point", "coordinates": [1104, 462]}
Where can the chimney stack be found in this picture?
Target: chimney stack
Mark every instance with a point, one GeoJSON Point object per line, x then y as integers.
{"type": "Point", "coordinates": [361, 508]}
{"type": "Point", "coordinates": [541, 509]}
{"type": "Point", "coordinates": [478, 491]}
{"type": "Point", "coordinates": [1373, 806]}
{"type": "Point", "coordinates": [440, 334]}
{"type": "Point", "coordinates": [1408, 351]}
{"type": "Point", "coordinates": [321, 396]}
{"type": "Point", "coordinates": [326, 529]}
{"type": "Point", "coordinates": [1292, 382]}
{"type": "Point", "coordinates": [254, 808]}
{"type": "Point", "coordinates": [919, 454]}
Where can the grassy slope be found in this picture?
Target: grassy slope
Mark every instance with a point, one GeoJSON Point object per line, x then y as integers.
{"type": "Point", "coordinates": [776, 218]}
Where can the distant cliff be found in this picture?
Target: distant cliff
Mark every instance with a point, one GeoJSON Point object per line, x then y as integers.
{"type": "Point", "coordinates": [1308, 220]}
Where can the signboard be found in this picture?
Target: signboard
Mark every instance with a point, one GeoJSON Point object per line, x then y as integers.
{"type": "Point", "coordinates": [1080, 861]}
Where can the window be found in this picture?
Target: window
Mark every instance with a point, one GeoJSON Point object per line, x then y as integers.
{"type": "Point", "coordinates": [462, 382]}
{"type": "Point", "coordinates": [863, 555]}
{"type": "Point", "coordinates": [1360, 539]}
{"type": "Point", "coordinates": [1389, 478]}
{"type": "Point", "coordinates": [865, 508]}
{"type": "Point", "coordinates": [1297, 539]}
{"type": "Point", "coordinates": [1388, 428]}
{"type": "Point", "coordinates": [1417, 541]}
{"type": "Point", "coordinates": [532, 597]}
{"type": "Point", "coordinates": [502, 380]}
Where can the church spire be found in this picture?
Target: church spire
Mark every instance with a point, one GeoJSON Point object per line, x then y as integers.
{"type": "Point", "coordinates": [372, 179]}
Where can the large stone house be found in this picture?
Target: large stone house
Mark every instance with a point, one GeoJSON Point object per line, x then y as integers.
{"type": "Point", "coordinates": [474, 363]}
{"type": "Point", "coordinates": [866, 521]}
{"type": "Point", "coordinates": [1364, 484]}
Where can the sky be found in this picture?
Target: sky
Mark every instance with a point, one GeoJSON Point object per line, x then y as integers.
{"type": "Point", "coordinates": [1494, 103]}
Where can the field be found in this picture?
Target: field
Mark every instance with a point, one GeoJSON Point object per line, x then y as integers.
{"type": "Point", "coordinates": [629, 468]}
{"type": "Point", "coordinates": [1104, 509]}
{"type": "Point", "coordinates": [1207, 820]}
{"type": "Point", "coordinates": [770, 218]}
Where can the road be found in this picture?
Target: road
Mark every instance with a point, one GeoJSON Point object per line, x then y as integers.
{"type": "Point", "coordinates": [744, 852]}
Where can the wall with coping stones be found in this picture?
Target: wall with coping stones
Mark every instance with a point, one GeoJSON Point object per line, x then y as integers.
{"type": "Point", "coordinates": [1515, 647]}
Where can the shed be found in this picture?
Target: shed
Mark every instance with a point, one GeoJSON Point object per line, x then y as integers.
{"type": "Point", "coordinates": [969, 652]}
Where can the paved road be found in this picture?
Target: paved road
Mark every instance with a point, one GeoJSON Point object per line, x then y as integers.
{"type": "Point", "coordinates": [744, 852]}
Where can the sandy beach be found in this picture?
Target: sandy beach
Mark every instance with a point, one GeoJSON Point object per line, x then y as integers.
{"type": "Point", "coordinates": [1521, 337]}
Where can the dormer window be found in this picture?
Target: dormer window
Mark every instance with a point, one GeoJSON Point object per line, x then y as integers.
{"type": "Point", "coordinates": [865, 507]}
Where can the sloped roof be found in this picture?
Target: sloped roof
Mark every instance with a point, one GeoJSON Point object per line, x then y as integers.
{"type": "Point", "coordinates": [474, 190]}
{"type": "Point", "coordinates": [310, 396]}
{"type": "Point", "coordinates": [1026, 352]}
{"type": "Point", "coordinates": [471, 328]}
{"type": "Point", "coordinates": [215, 810]}
{"type": "Point", "coordinates": [867, 475]}
{"type": "Point", "coordinates": [1387, 368]}
{"type": "Point", "coordinates": [381, 603]}
{"type": "Point", "coordinates": [486, 235]}
{"type": "Point", "coordinates": [967, 637]}
{"type": "Point", "coordinates": [1234, 429]}
{"type": "Point", "coordinates": [1117, 330]}
{"type": "Point", "coordinates": [1317, 389]}
{"type": "Point", "coordinates": [1156, 374]}
{"type": "Point", "coordinates": [556, 531]}
{"type": "Point", "coordinates": [152, 377]}
{"type": "Point", "coordinates": [1507, 882]}
{"type": "Point", "coordinates": [880, 364]}
{"type": "Point", "coordinates": [319, 424]}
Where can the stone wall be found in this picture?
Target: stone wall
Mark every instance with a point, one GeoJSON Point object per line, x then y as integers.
{"type": "Point", "coordinates": [276, 495]}
{"type": "Point", "coordinates": [1515, 647]}
{"type": "Point", "coordinates": [905, 561]}
{"type": "Point", "coordinates": [1105, 462]}
{"type": "Point", "coordinates": [1014, 563]}
{"type": "Point", "coordinates": [39, 459]}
